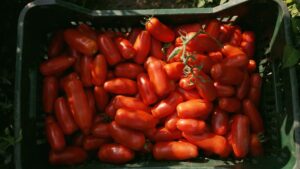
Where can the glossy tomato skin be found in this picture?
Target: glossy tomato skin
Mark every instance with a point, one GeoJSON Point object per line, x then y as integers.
{"type": "Point", "coordinates": [158, 76]}
{"type": "Point", "coordinates": [202, 43]}
{"type": "Point", "coordinates": [256, 147]}
{"type": "Point", "coordinates": [121, 86]}
{"type": "Point", "coordinates": [227, 75]}
{"type": "Point", "coordinates": [251, 67]}
{"type": "Point", "coordinates": [125, 48]}
{"type": "Point", "coordinates": [101, 130]}
{"type": "Point", "coordinates": [54, 134]}
{"type": "Point", "coordinates": [189, 94]}
{"type": "Point", "coordinates": [187, 83]}
{"type": "Point", "coordinates": [224, 90]}
{"type": "Point", "coordinates": [135, 119]}
{"type": "Point", "coordinates": [79, 105]}
{"type": "Point", "coordinates": [201, 60]}
{"type": "Point", "coordinates": [76, 55]}
{"type": "Point", "coordinates": [109, 49]}
{"type": "Point", "coordinates": [80, 42]}
{"type": "Point", "coordinates": [142, 45]}
{"type": "Point", "coordinates": [167, 106]}
{"type": "Point", "coordinates": [63, 81]}
{"type": "Point", "coordinates": [236, 37]}
{"type": "Point", "coordinates": [134, 34]}
{"type": "Point", "coordinates": [87, 31]}
{"type": "Point", "coordinates": [256, 80]}
{"type": "Point", "coordinates": [210, 142]}
{"type": "Point", "coordinates": [254, 95]}
{"type": "Point", "coordinates": [213, 28]}
{"type": "Point", "coordinates": [197, 108]}
{"type": "Point", "coordinates": [187, 28]}
{"type": "Point", "coordinates": [93, 143]}
{"type": "Point", "coordinates": [146, 89]}
{"type": "Point", "coordinates": [248, 36]}
{"type": "Point", "coordinates": [69, 156]}
{"type": "Point", "coordinates": [220, 122]}
{"type": "Point", "coordinates": [121, 135]}
{"type": "Point", "coordinates": [255, 118]}
{"type": "Point", "coordinates": [234, 56]}
{"type": "Point", "coordinates": [171, 121]}
{"type": "Point", "coordinates": [215, 57]}
{"type": "Point", "coordinates": [56, 65]}
{"type": "Point", "coordinates": [230, 104]}
{"type": "Point", "coordinates": [56, 45]}
{"type": "Point", "coordinates": [99, 70]}
{"type": "Point", "coordinates": [50, 93]}
{"type": "Point", "coordinates": [226, 32]}
{"type": "Point", "coordinates": [163, 134]}
{"type": "Point", "coordinates": [91, 100]}
{"type": "Point", "coordinates": [248, 48]}
{"type": "Point", "coordinates": [243, 88]}
{"type": "Point", "coordinates": [130, 103]}
{"type": "Point", "coordinates": [110, 110]}
{"type": "Point", "coordinates": [156, 49]}
{"type": "Point", "coordinates": [205, 86]}
{"type": "Point", "coordinates": [174, 150]}
{"type": "Point", "coordinates": [191, 126]}
{"type": "Point", "coordinates": [174, 70]}
{"type": "Point", "coordinates": [159, 31]}
{"type": "Point", "coordinates": [240, 135]}
{"type": "Point", "coordinates": [128, 70]}
{"type": "Point", "coordinates": [115, 154]}
{"type": "Point", "coordinates": [64, 116]}
{"type": "Point", "coordinates": [101, 97]}
{"type": "Point", "coordinates": [85, 70]}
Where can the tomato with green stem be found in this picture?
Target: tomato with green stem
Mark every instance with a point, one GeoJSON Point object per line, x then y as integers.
{"type": "Point", "coordinates": [187, 83]}
{"type": "Point", "coordinates": [159, 30]}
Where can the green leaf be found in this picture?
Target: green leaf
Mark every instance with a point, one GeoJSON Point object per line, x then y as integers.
{"type": "Point", "coordinates": [290, 56]}
{"type": "Point", "coordinates": [174, 52]}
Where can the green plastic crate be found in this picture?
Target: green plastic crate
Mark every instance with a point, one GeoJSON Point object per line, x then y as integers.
{"type": "Point", "coordinates": [279, 106]}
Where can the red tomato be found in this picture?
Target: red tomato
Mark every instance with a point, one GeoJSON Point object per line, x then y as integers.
{"type": "Point", "coordinates": [156, 49]}
{"type": "Point", "coordinates": [170, 123]}
{"type": "Point", "coordinates": [56, 65]}
{"type": "Point", "coordinates": [109, 49]}
{"type": "Point", "coordinates": [130, 103]}
{"type": "Point", "coordinates": [213, 28]}
{"type": "Point", "coordinates": [68, 156]}
{"type": "Point", "coordinates": [176, 58]}
{"type": "Point", "coordinates": [205, 86]}
{"type": "Point", "coordinates": [121, 135]}
{"type": "Point", "coordinates": [220, 122]}
{"type": "Point", "coordinates": [230, 104]}
{"type": "Point", "coordinates": [85, 70]}
{"type": "Point", "coordinates": [224, 90]}
{"type": "Point", "coordinates": [93, 143]}
{"type": "Point", "coordinates": [215, 57]}
{"type": "Point", "coordinates": [80, 42]}
{"type": "Point", "coordinates": [189, 94]}
{"type": "Point", "coordinates": [115, 154]}
{"type": "Point", "coordinates": [87, 31]}
{"type": "Point", "coordinates": [101, 130]}
{"type": "Point", "coordinates": [110, 110]}
{"type": "Point", "coordinates": [63, 81]}
{"type": "Point", "coordinates": [128, 70]}
{"type": "Point", "coordinates": [187, 28]}
{"type": "Point", "coordinates": [201, 43]}
{"type": "Point", "coordinates": [236, 37]}
{"type": "Point", "coordinates": [54, 134]}
{"type": "Point", "coordinates": [256, 80]}
{"type": "Point", "coordinates": [50, 93]}
{"type": "Point", "coordinates": [234, 56]}
{"type": "Point", "coordinates": [210, 142]}
{"type": "Point", "coordinates": [240, 135]}
{"type": "Point", "coordinates": [254, 95]}
{"type": "Point", "coordinates": [78, 140]}
{"type": "Point", "coordinates": [227, 75]}
{"type": "Point", "coordinates": [121, 86]}
{"type": "Point", "coordinates": [248, 36]}
{"type": "Point", "coordinates": [158, 76]}
{"type": "Point", "coordinates": [194, 109]}
{"type": "Point", "coordinates": [248, 48]}
{"type": "Point", "coordinates": [167, 106]}
{"type": "Point", "coordinates": [243, 88]}
{"type": "Point", "coordinates": [174, 70]}
{"type": "Point", "coordinates": [125, 48]}
{"type": "Point", "coordinates": [256, 148]}
{"type": "Point", "coordinates": [191, 126]}
{"type": "Point", "coordinates": [187, 83]}
{"type": "Point", "coordinates": [56, 45]}
{"type": "Point", "coordinates": [146, 89]}
{"type": "Point", "coordinates": [163, 134]}
{"type": "Point", "coordinates": [159, 31]}
{"type": "Point", "coordinates": [99, 70]}
{"type": "Point", "coordinates": [110, 75]}
{"type": "Point", "coordinates": [101, 97]}
{"type": "Point", "coordinates": [251, 67]}
{"type": "Point", "coordinates": [256, 121]}
{"type": "Point", "coordinates": [201, 60]}
{"type": "Point", "coordinates": [79, 105]}
{"type": "Point", "coordinates": [226, 32]}
{"type": "Point", "coordinates": [174, 150]}
{"type": "Point", "coordinates": [142, 46]}
{"type": "Point", "coordinates": [135, 119]}
{"type": "Point", "coordinates": [91, 100]}
{"type": "Point", "coordinates": [64, 116]}
{"type": "Point", "coordinates": [99, 118]}
{"type": "Point", "coordinates": [134, 34]}
{"type": "Point", "coordinates": [76, 55]}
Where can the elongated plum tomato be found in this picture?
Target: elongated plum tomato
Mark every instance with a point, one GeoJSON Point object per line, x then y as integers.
{"type": "Point", "coordinates": [174, 150]}
{"type": "Point", "coordinates": [163, 134]}
{"type": "Point", "coordinates": [142, 45]}
{"type": "Point", "coordinates": [227, 75]}
{"type": "Point", "coordinates": [201, 43]}
{"type": "Point", "coordinates": [115, 154]}
{"type": "Point", "coordinates": [205, 86]}
{"type": "Point", "coordinates": [191, 126]}
{"type": "Point", "coordinates": [56, 65]}
{"type": "Point", "coordinates": [230, 104]}
{"type": "Point", "coordinates": [68, 156]}
{"type": "Point", "coordinates": [187, 83]}
{"type": "Point", "coordinates": [224, 90]}
{"type": "Point", "coordinates": [56, 45]}
{"type": "Point", "coordinates": [220, 122]}
{"type": "Point", "coordinates": [236, 37]}
{"type": "Point", "coordinates": [99, 70]}
{"type": "Point", "coordinates": [234, 56]}
{"type": "Point", "coordinates": [189, 94]}
{"type": "Point", "coordinates": [256, 148]}
{"type": "Point", "coordinates": [80, 42]}
{"type": "Point", "coordinates": [101, 97]}
{"type": "Point", "coordinates": [125, 48]}
{"type": "Point", "coordinates": [201, 60]}
{"type": "Point", "coordinates": [101, 130]}
{"type": "Point", "coordinates": [121, 86]}
{"type": "Point", "coordinates": [174, 70]}
{"type": "Point", "coordinates": [54, 134]}
{"type": "Point", "coordinates": [87, 31]}
{"type": "Point", "coordinates": [85, 70]}
{"type": "Point", "coordinates": [213, 28]}
{"type": "Point", "coordinates": [92, 143]}
{"type": "Point", "coordinates": [255, 118]}
{"type": "Point", "coordinates": [146, 89]}
{"type": "Point", "coordinates": [156, 49]}
{"type": "Point", "coordinates": [159, 30]}
{"type": "Point", "coordinates": [91, 100]}
{"type": "Point", "coordinates": [197, 108]}
{"type": "Point", "coordinates": [243, 88]}
{"type": "Point", "coordinates": [50, 93]}
{"type": "Point", "coordinates": [130, 103]}
{"type": "Point", "coordinates": [109, 49]}
{"type": "Point", "coordinates": [128, 70]}
{"type": "Point", "coordinates": [171, 121]}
